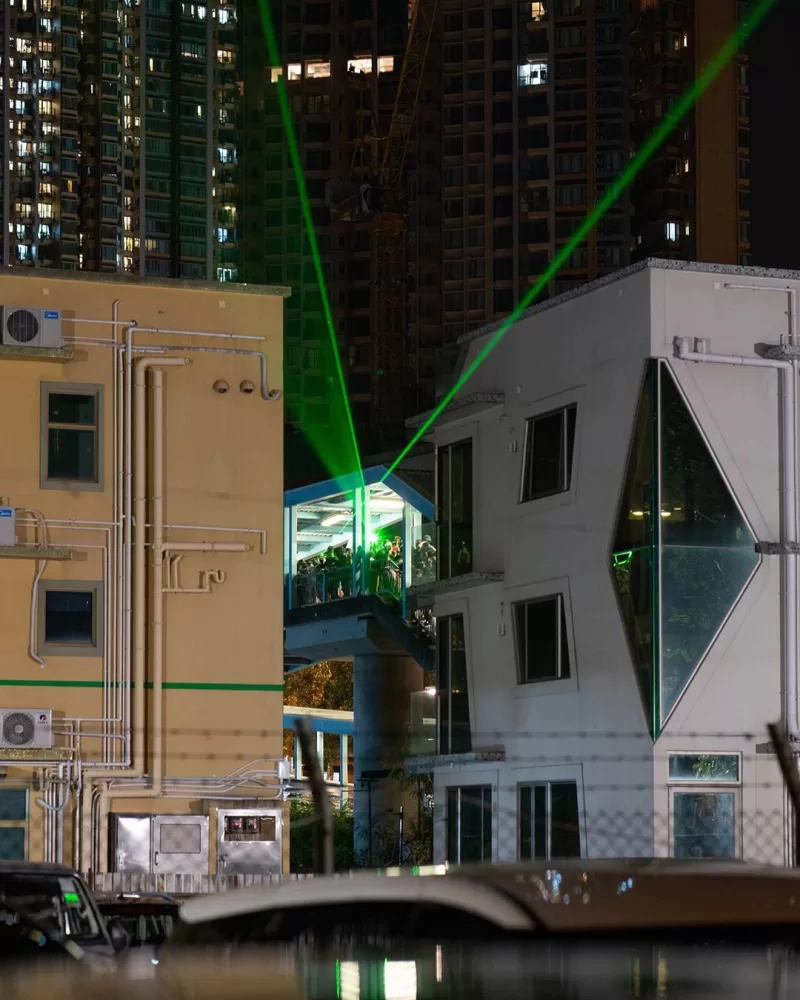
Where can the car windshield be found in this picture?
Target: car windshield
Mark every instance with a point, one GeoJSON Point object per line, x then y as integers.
{"type": "Point", "coordinates": [53, 897]}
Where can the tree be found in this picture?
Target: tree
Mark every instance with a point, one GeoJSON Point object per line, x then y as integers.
{"type": "Point", "coordinates": [327, 685]}
{"type": "Point", "coordinates": [301, 837]}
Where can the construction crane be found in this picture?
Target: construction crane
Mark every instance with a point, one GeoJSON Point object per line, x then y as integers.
{"type": "Point", "coordinates": [384, 201]}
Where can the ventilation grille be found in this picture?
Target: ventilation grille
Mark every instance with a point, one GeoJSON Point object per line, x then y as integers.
{"type": "Point", "coordinates": [23, 727]}
{"type": "Point", "coordinates": [22, 326]}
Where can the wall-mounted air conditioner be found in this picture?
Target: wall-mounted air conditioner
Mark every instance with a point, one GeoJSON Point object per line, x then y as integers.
{"type": "Point", "coordinates": [24, 327]}
{"type": "Point", "coordinates": [26, 727]}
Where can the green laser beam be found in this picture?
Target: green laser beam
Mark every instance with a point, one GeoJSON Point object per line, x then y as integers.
{"type": "Point", "coordinates": [273, 51]}
{"type": "Point", "coordinates": [656, 139]}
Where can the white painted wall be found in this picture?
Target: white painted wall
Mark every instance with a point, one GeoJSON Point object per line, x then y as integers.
{"type": "Point", "coordinates": [591, 348]}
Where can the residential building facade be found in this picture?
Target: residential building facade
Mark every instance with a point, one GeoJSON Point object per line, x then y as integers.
{"type": "Point", "coordinates": [141, 622]}
{"type": "Point", "coordinates": [119, 125]}
{"type": "Point", "coordinates": [610, 554]}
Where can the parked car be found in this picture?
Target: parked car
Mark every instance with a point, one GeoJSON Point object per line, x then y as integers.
{"type": "Point", "coordinates": [147, 919]}
{"type": "Point", "coordinates": [662, 900]}
{"type": "Point", "coordinates": [54, 892]}
{"type": "Point", "coordinates": [24, 938]}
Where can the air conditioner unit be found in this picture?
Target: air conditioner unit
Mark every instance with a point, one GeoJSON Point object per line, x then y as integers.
{"type": "Point", "coordinates": [22, 728]}
{"type": "Point", "coordinates": [24, 327]}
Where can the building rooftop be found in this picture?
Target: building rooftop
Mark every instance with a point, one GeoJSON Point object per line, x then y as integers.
{"type": "Point", "coordinates": [652, 263]}
{"type": "Point", "coordinates": [115, 278]}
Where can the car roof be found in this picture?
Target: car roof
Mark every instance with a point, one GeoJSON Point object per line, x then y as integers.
{"type": "Point", "coordinates": [561, 897]}
{"type": "Point", "coordinates": [482, 901]}
{"type": "Point", "coordinates": [37, 868]}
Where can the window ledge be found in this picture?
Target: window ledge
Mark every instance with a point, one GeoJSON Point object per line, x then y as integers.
{"type": "Point", "coordinates": [50, 552]}
{"type": "Point", "coordinates": [35, 754]}
{"type": "Point", "coordinates": [10, 352]}
{"type": "Point", "coordinates": [456, 583]}
{"type": "Point", "coordinates": [425, 763]}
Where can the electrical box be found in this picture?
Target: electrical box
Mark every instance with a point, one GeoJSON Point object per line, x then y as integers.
{"type": "Point", "coordinates": [8, 526]}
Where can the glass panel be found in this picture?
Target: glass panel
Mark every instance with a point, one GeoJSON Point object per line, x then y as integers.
{"type": "Point", "coordinates": [323, 536]}
{"type": "Point", "coordinates": [703, 767]}
{"type": "Point", "coordinates": [476, 819]}
{"type": "Point", "coordinates": [546, 455]}
{"type": "Point", "coordinates": [69, 616]}
{"type": "Point", "coordinates": [704, 824]}
{"type": "Point", "coordinates": [565, 838]}
{"type": "Point", "coordinates": [423, 550]}
{"type": "Point", "coordinates": [71, 408]}
{"type": "Point", "coordinates": [13, 804]}
{"type": "Point", "coordinates": [443, 511]}
{"type": "Point", "coordinates": [540, 822]}
{"type": "Point", "coordinates": [71, 455]}
{"type": "Point", "coordinates": [572, 419]}
{"type": "Point", "coordinates": [452, 825]}
{"type": "Point", "coordinates": [708, 550]}
{"type": "Point", "coordinates": [12, 845]}
{"type": "Point", "coordinates": [633, 564]}
{"type": "Point", "coordinates": [384, 530]}
{"type": "Point", "coordinates": [525, 824]}
{"type": "Point", "coordinates": [461, 740]}
{"type": "Point", "coordinates": [443, 682]}
{"type": "Point", "coordinates": [461, 509]}
{"type": "Point", "coordinates": [539, 645]}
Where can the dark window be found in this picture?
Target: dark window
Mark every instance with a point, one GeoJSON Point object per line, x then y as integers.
{"type": "Point", "coordinates": [69, 617]}
{"type": "Point", "coordinates": [469, 824]}
{"type": "Point", "coordinates": [540, 632]}
{"type": "Point", "coordinates": [549, 825]}
{"type": "Point", "coordinates": [549, 448]}
{"type": "Point", "coordinates": [454, 513]}
{"type": "Point", "coordinates": [71, 435]}
{"type": "Point", "coordinates": [13, 804]}
{"type": "Point", "coordinates": [451, 683]}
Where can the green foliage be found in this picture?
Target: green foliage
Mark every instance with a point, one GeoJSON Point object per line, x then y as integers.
{"type": "Point", "coordinates": [301, 837]}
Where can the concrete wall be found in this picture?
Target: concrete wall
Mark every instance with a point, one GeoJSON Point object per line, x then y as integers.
{"type": "Point", "coordinates": [591, 349]}
{"type": "Point", "coordinates": [224, 463]}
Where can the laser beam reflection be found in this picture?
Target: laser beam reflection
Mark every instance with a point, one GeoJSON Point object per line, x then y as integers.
{"type": "Point", "coordinates": [651, 146]}
{"type": "Point", "coordinates": [338, 465]}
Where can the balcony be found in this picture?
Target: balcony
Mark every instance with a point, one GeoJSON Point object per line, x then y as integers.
{"type": "Point", "coordinates": [346, 540]}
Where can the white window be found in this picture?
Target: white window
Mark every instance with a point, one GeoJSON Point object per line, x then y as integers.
{"type": "Point", "coordinates": [532, 74]}
{"type": "Point", "coordinates": [294, 71]}
{"type": "Point", "coordinates": [360, 64]}
{"type": "Point", "coordinates": [671, 231]}
{"type": "Point", "coordinates": [317, 70]}
{"type": "Point", "coordinates": [275, 73]}
{"type": "Point", "coordinates": [385, 64]}
{"type": "Point", "coordinates": [704, 805]}
{"type": "Point", "coordinates": [538, 12]}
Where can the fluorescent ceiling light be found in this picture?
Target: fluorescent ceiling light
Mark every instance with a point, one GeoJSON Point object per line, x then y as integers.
{"type": "Point", "coordinates": [334, 519]}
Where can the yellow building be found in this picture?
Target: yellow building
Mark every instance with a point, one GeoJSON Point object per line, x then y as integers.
{"type": "Point", "coordinates": [141, 632]}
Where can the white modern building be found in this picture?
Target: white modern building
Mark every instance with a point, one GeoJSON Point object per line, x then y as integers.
{"type": "Point", "coordinates": [614, 525]}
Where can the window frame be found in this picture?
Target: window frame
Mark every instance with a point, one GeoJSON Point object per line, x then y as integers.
{"type": "Point", "coordinates": [474, 786]}
{"type": "Point", "coordinates": [546, 783]}
{"type": "Point", "coordinates": [562, 635]}
{"type": "Point", "coordinates": [568, 455]}
{"type": "Point", "coordinates": [447, 557]}
{"type": "Point", "coordinates": [447, 621]}
{"type": "Point", "coordinates": [712, 786]}
{"type": "Point", "coordinates": [96, 648]}
{"type": "Point", "coordinates": [71, 389]}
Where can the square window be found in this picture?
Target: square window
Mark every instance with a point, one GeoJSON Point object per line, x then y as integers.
{"type": "Point", "coordinates": [12, 844]}
{"type": "Point", "coordinates": [71, 436]}
{"type": "Point", "coordinates": [70, 618]}
{"type": "Point", "coordinates": [704, 824]}
{"type": "Point", "coordinates": [540, 634]}
{"type": "Point", "coordinates": [13, 804]}
{"type": "Point", "coordinates": [549, 450]}
{"type": "Point", "coordinates": [549, 822]}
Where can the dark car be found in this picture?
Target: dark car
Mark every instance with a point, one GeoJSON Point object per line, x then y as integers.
{"type": "Point", "coordinates": [58, 894]}
{"type": "Point", "coordinates": [146, 918]}
{"type": "Point", "coordinates": [24, 939]}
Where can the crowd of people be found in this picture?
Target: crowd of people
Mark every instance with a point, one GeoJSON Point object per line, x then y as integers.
{"type": "Point", "coordinates": [329, 575]}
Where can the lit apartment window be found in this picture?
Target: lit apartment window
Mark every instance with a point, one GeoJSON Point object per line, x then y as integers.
{"type": "Point", "coordinates": [687, 166]}
{"type": "Point", "coordinates": [275, 73]}
{"type": "Point", "coordinates": [671, 232]}
{"type": "Point", "coordinates": [317, 70]}
{"type": "Point", "coordinates": [385, 64]}
{"type": "Point", "coordinates": [540, 635]}
{"type": "Point", "coordinates": [45, 231]}
{"type": "Point", "coordinates": [294, 71]}
{"type": "Point", "coordinates": [532, 74]}
{"type": "Point", "coordinates": [225, 56]}
{"type": "Point", "coordinates": [361, 64]}
{"type": "Point", "coordinates": [549, 821]}
{"type": "Point", "coordinates": [45, 107]}
{"type": "Point", "coordinates": [45, 210]}
{"type": "Point", "coordinates": [24, 46]}
{"type": "Point", "coordinates": [687, 230]}
{"type": "Point", "coordinates": [71, 436]}
{"type": "Point", "coordinates": [549, 450]}
{"type": "Point", "coordinates": [538, 12]}
{"type": "Point", "coordinates": [70, 614]}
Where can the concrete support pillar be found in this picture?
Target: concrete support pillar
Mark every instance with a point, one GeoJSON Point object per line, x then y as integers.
{"type": "Point", "coordinates": [382, 689]}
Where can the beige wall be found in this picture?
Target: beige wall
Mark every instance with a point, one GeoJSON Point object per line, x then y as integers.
{"type": "Point", "coordinates": [224, 468]}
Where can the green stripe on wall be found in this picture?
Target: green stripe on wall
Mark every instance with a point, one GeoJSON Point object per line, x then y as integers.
{"type": "Point", "coordinates": [169, 686]}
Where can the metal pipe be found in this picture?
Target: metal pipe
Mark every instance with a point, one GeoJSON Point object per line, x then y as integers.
{"type": "Point", "coordinates": [171, 546]}
{"type": "Point", "coordinates": [196, 333]}
{"type": "Point", "coordinates": [157, 581]}
{"type": "Point", "coordinates": [267, 394]}
{"type": "Point", "coordinates": [789, 532]}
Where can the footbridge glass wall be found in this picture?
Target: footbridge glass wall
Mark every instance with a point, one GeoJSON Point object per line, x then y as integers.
{"type": "Point", "coordinates": [344, 539]}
